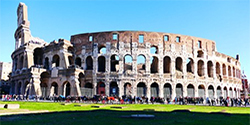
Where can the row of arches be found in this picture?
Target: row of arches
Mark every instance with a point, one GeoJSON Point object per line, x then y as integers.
{"type": "Point", "coordinates": [142, 90]}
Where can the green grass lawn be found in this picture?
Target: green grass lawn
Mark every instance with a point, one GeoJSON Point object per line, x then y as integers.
{"type": "Point", "coordinates": [164, 114]}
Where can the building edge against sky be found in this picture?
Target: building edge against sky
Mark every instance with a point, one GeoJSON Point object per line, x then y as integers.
{"type": "Point", "coordinates": [180, 65]}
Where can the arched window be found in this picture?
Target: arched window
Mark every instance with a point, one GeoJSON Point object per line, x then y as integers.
{"type": "Point", "coordinates": [56, 60]}
{"type": "Point", "coordinates": [89, 63]}
{"type": "Point", "coordinates": [166, 64]}
{"type": "Point", "coordinates": [154, 64]}
{"type": "Point", "coordinates": [200, 68]}
{"type": "Point", "coordinates": [190, 65]}
{"type": "Point", "coordinates": [101, 64]}
{"type": "Point", "coordinates": [178, 64]}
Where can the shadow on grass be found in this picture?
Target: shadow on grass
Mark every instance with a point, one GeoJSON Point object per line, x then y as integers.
{"type": "Point", "coordinates": [100, 116]}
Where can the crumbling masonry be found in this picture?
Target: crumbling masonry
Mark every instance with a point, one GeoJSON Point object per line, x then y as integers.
{"type": "Point", "coordinates": [118, 63]}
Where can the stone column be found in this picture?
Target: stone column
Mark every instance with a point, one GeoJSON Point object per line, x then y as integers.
{"type": "Point", "coordinates": [173, 92]}
{"type": "Point", "coordinates": [148, 91]}
{"type": "Point", "coordinates": [161, 90]}
{"type": "Point", "coordinates": [121, 88]}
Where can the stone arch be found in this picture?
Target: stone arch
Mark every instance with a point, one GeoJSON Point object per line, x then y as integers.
{"type": "Point", "coordinates": [179, 90]}
{"type": "Point", "coordinates": [127, 89]}
{"type": "Point", "coordinates": [229, 71]}
{"type": "Point", "coordinates": [101, 64]}
{"type": "Point", "coordinates": [102, 49]}
{"type": "Point", "coordinates": [201, 91]}
{"type": "Point", "coordinates": [154, 90]}
{"type": "Point", "coordinates": [225, 92]}
{"type": "Point", "coordinates": [38, 56]}
{"type": "Point", "coordinates": [218, 68]}
{"type": "Point", "coordinates": [78, 61]}
{"type": "Point", "coordinates": [230, 92]}
{"type": "Point", "coordinates": [210, 91]}
{"type": "Point", "coordinates": [178, 64]}
{"type": "Point", "coordinates": [141, 63]}
{"type": "Point", "coordinates": [233, 72]}
{"type": "Point", "coordinates": [66, 88]}
{"type": "Point", "coordinates": [46, 63]}
{"type": "Point", "coordinates": [44, 80]}
{"type": "Point", "coordinates": [114, 89]}
{"type": "Point", "coordinates": [190, 65]}
{"type": "Point", "coordinates": [89, 63]}
{"type": "Point", "coordinates": [235, 93]}
{"type": "Point", "coordinates": [56, 60]}
{"type": "Point", "coordinates": [54, 89]}
{"type": "Point", "coordinates": [154, 49]}
{"type": "Point", "coordinates": [87, 89]}
{"type": "Point", "coordinates": [167, 90]}
{"type": "Point", "coordinates": [141, 89]}
{"type": "Point", "coordinates": [81, 79]}
{"type": "Point", "coordinates": [200, 67]}
{"type": "Point", "coordinates": [200, 53]}
{"type": "Point", "coordinates": [219, 92]}
{"type": "Point", "coordinates": [114, 63]}
{"type": "Point", "coordinates": [154, 64]}
{"type": "Point", "coordinates": [71, 49]}
{"type": "Point", "coordinates": [224, 69]}
{"type": "Point", "coordinates": [210, 69]}
{"type": "Point", "coordinates": [167, 64]}
{"type": "Point", "coordinates": [190, 90]}
{"type": "Point", "coordinates": [128, 62]}
{"type": "Point", "coordinates": [100, 88]}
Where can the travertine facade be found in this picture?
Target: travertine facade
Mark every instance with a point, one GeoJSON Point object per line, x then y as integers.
{"type": "Point", "coordinates": [118, 63]}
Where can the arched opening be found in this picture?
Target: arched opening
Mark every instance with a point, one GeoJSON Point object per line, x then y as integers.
{"type": "Point", "coordinates": [54, 88]}
{"type": "Point", "coordinates": [44, 89]}
{"type": "Point", "coordinates": [167, 91]}
{"type": "Point", "coordinates": [71, 60]}
{"type": "Point", "coordinates": [201, 91]}
{"type": "Point", "coordinates": [166, 64]}
{"type": "Point", "coordinates": [101, 64]}
{"type": "Point", "coordinates": [229, 71]}
{"type": "Point", "coordinates": [38, 56]}
{"type": "Point", "coordinates": [43, 83]}
{"type": "Point", "coordinates": [200, 54]}
{"type": "Point", "coordinates": [178, 64]}
{"type": "Point", "coordinates": [211, 91]}
{"type": "Point", "coordinates": [56, 60]}
{"type": "Point", "coordinates": [102, 49]}
{"type": "Point", "coordinates": [141, 64]}
{"type": "Point", "coordinates": [230, 92]}
{"type": "Point", "coordinates": [217, 68]}
{"type": "Point", "coordinates": [154, 50]}
{"type": "Point", "coordinates": [219, 92]}
{"type": "Point", "coordinates": [224, 69]}
{"type": "Point", "coordinates": [114, 90]}
{"type": "Point", "coordinates": [101, 88]}
{"type": "Point", "coordinates": [71, 50]}
{"type": "Point", "coordinates": [46, 63]}
{"type": "Point", "coordinates": [21, 62]}
{"type": "Point", "coordinates": [210, 69]}
{"type": "Point", "coordinates": [87, 90]}
{"type": "Point", "coordinates": [190, 90]}
{"type": "Point", "coordinates": [154, 90]}
{"type": "Point", "coordinates": [225, 92]}
{"type": "Point", "coordinates": [128, 63]}
{"type": "Point", "coordinates": [66, 88]}
{"type": "Point", "coordinates": [78, 61]}
{"type": "Point", "coordinates": [154, 64]}
{"type": "Point", "coordinates": [127, 89]}
{"type": "Point", "coordinates": [200, 68]}
{"type": "Point", "coordinates": [141, 89]}
{"type": "Point", "coordinates": [233, 72]}
{"type": "Point", "coordinates": [179, 90]}
{"type": "Point", "coordinates": [114, 64]}
{"type": "Point", "coordinates": [89, 63]}
{"type": "Point", "coordinates": [190, 65]}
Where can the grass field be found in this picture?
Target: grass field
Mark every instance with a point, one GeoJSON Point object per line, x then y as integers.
{"type": "Point", "coordinates": [164, 114]}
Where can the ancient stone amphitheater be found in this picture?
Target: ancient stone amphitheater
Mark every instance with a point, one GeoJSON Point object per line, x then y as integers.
{"type": "Point", "coordinates": [117, 63]}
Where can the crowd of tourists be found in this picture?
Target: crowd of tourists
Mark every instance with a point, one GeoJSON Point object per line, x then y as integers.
{"type": "Point", "coordinates": [134, 100]}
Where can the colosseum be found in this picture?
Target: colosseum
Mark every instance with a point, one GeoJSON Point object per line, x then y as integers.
{"type": "Point", "coordinates": [117, 63]}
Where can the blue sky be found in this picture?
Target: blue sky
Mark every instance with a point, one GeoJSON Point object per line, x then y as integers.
{"type": "Point", "coordinates": [225, 22]}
